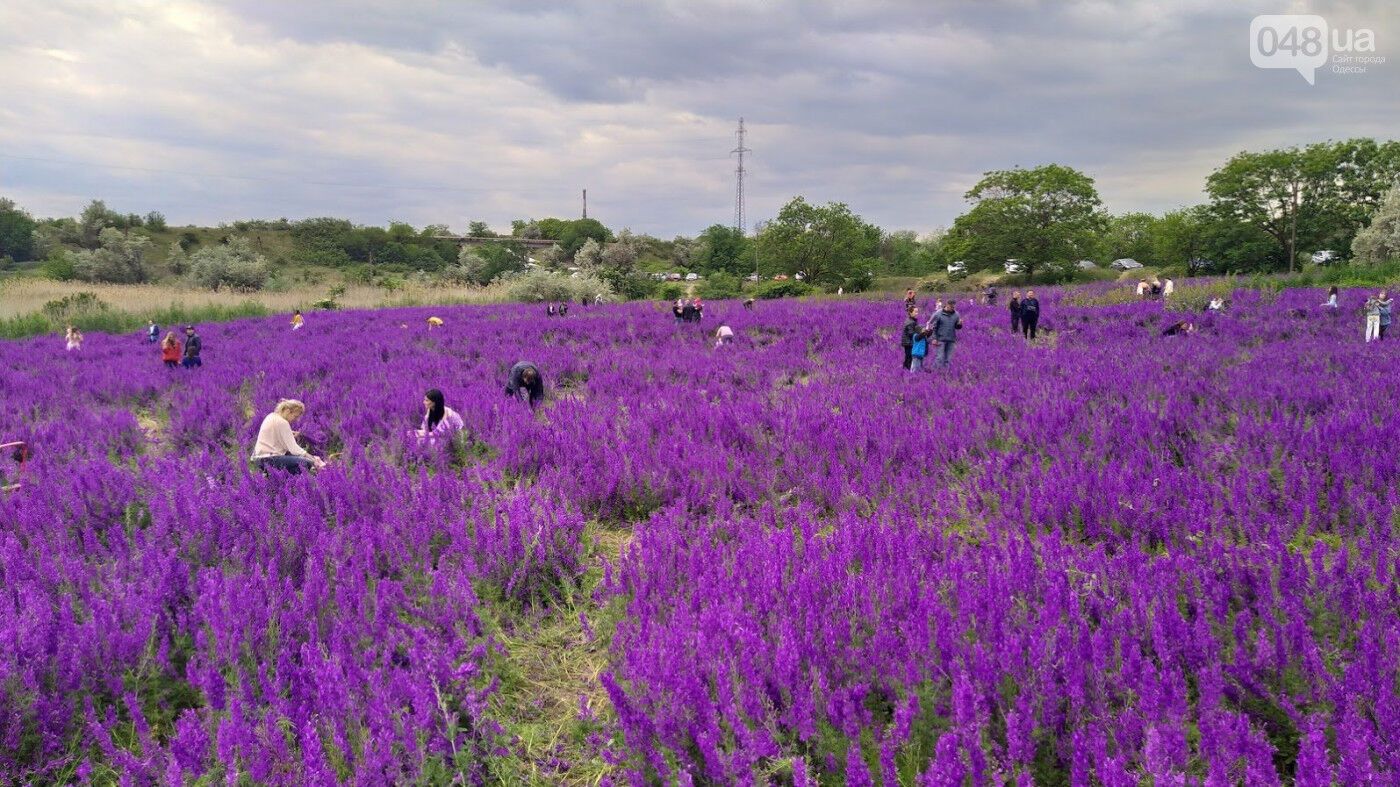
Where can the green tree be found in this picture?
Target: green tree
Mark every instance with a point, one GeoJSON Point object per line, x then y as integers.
{"type": "Point", "coordinates": [1379, 241]}
{"type": "Point", "coordinates": [1050, 213]}
{"type": "Point", "coordinates": [94, 218]}
{"type": "Point", "coordinates": [119, 259]}
{"type": "Point", "coordinates": [479, 229]}
{"type": "Point", "coordinates": [234, 265]}
{"type": "Point", "coordinates": [721, 248]}
{"type": "Point", "coordinates": [1130, 235]}
{"type": "Point", "coordinates": [155, 221]}
{"type": "Point", "coordinates": [827, 245]}
{"type": "Point", "coordinates": [16, 232]}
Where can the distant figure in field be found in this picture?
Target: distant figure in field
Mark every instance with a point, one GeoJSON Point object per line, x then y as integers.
{"type": "Point", "coordinates": [1142, 289]}
{"type": "Point", "coordinates": [699, 307]}
{"type": "Point", "coordinates": [170, 351]}
{"type": "Point", "coordinates": [1384, 302]}
{"type": "Point", "coordinates": [1216, 304]}
{"type": "Point", "coordinates": [748, 304]}
{"type": "Point", "coordinates": [1331, 298]}
{"type": "Point", "coordinates": [152, 332]}
{"type": "Point", "coordinates": [549, 310]}
{"type": "Point", "coordinates": [908, 299]}
{"type": "Point", "coordinates": [1179, 328]}
{"type": "Point", "coordinates": [906, 338]}
{"type": "Point", "coordinates": [525, 383]}
{"type": "Point", "coordinates": [297, 320]}
{"type": "Point", "coordinates": [1154, 289]}
{"type": "Point", "coordinates": [679, 310]}
{"type": "Point", "coordinates": [1030, 314]}
{"type": "Point", "coordinates": [277, 443]}
{"type": "Point", "coordinates": [434, 322]}
{"type": "Point", "coordinates": [688, 312]}
{"type": "Point", "coordinates": [1168, 287]}
{"type": "Point", "coordinates": [991, 295]}
{"type": "Point", "coordinates": [1373, 319]}
{"type": "Point", "coordinates": [597, 299]}
{"type": "Point", "coordinates": [440, 422]}
{"type": "Point", "coordinates": [19, 452]}
{"type": "Point", "coordinates": [945, 326]}
{"type": "Point", "coordinates": [1014, 306]}
{"type": "Point", "coordinates": [193, 346]}
{"type": "Point", "coordinates": [725, 335]}
{"type": "Point", "coordinates": [563, 308]}
{"type": "Point", "coordinates": [73, 338]}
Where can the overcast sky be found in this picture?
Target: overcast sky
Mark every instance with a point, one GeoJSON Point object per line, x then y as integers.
{"type": "Point", "coordinates": [444, 112]}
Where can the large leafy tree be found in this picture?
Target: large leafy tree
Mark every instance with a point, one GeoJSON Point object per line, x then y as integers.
{"type": "Point", "coordinates": [1130, 235]}
{"type": "Point", "coordinates": [721, 248]}
{"type": "Point", "coordinates": [1380, 241]}
{"type": "Point", "coordinates": [1307, 198]}
{"type": "Point", "coordinates": [1050, 213]}
{"type": "Point", "coordinates": [16, 232]}
{"type": "Point", "coordinates": [827, 244]}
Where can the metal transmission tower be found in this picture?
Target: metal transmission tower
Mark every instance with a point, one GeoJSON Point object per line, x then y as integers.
{"type": "Point", "coordinates": [739, 182]}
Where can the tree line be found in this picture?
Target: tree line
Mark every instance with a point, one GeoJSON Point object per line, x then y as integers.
{"type": "Point", "coordinates": [1264, 212]}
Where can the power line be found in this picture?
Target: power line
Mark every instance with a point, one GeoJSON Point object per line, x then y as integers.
{"type": "Point", "coordinates": [739, 180]}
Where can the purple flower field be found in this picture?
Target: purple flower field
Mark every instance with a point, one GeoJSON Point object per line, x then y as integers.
{"type": "Point", "coordinates": [1106, 558]}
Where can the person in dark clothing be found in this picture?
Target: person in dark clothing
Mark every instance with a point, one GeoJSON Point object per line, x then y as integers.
{"type": "Point", "coordinates": [906, 339]}
{"type": "Point", "coordinates": [549, 310]}
{"type": "Point", "coordinates": [563, 308]}
{"type": "Point", "coordinates": [1030, 314]}
{"type": "Point", "coordinates": [679, 310]}
{"type": "Point", "coordinates": [748, 304]}
{"type": "Point", "coordinates": [193, 346]}
{"type": "Point", "coordinates": [908, 299]}
{"type": "Point", "coordinates": [525, 381]}
{"type": "Point", "coordinates": [991, 295]}
{"type": "Point", "coordinates": [1014, 305]}
{"type": "Point", "coordinates": [1179, 328]}
{"type": "Point", "coordinates": [944, 328]}
{"type": "Point", "coordinates": [688, 312]}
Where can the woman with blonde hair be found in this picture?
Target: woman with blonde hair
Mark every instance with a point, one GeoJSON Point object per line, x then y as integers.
{"type": "Point", "coordinates": [277, 443]}
{"type": "Point", "coordinates": [74, 337]}
{"type": "Point", "coordinates": [170, 350]}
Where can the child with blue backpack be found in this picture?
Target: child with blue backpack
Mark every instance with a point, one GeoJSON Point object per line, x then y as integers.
{"type": "Point", "coordinates": [918, 351]}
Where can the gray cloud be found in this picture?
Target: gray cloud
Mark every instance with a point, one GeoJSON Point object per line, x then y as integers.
{"type": "Point", "coordinates": [446, 112]}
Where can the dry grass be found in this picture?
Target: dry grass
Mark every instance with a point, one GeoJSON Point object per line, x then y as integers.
{"type": "Point", "coordinates": [21, 296]}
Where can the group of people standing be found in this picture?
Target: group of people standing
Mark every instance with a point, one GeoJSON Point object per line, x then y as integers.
{"type": "Point", "coordinates": [1377, 316]}
{"type": "Point", "coordinates": [941, 331]}
{"type": "Point", "coordinates": [1025, 313]}
{"type": "Point", "coordinates": [692, 310]}
{"type": "Point", "coordinates": [1155, 289]}
{"type": "Point", "coordinates": [561, 309]}
{"type": "Point", "coordinates": [174, 353]}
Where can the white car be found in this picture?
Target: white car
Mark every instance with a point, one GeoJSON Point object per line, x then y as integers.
{"type": "Point", "coordinates": [1325, 257]}
{"type": "Point", "coordinates": [692, 277]}
{"type": "Point", "coordinates": [1125, 264]}
{"type": "Point", "coordinates": [1012, 265]}
{"type": "Point", "coordinates": [957, 268]}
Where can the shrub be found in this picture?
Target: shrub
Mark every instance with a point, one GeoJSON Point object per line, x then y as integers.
{"type": "Point", "coordinates": [59, 266]}
{"type": "Point", "coordinates": [119, 259]}
{"type": "Point", "coordinates": [719, 286]}
{"type": "Point", "coordinates": [670, 291]}
{"type": "Point", "coordinates": [540, 286]}
{"type": "Point", "coordinates": [234, 266]}
{"type": "Point", "coordinates": [770, 290]}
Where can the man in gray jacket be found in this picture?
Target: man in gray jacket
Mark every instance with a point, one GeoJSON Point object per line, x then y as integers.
{"type": "Point", "coordinates": [945, 325]}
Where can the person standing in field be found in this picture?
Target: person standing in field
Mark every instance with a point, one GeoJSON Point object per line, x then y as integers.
{"type": "Point", "coordinates": [563, 308]}
{"type": "Point", "coordinates": [1030, 314]}
{"type": "Point", "coordinates": [906, 338]}
{"type": "Point", "coordinates": [1331, 298]}
{"type": "Point", "coordinates": [152, 332]}
{"type": "Point", "coordinates": [525, 383]}
{"type": "Point", "coordinates": [297, 320]}
{"type": "Point", "coordinates": [440, 422]}
{"type": "Point", "coordinates": [919, 351]}
{"type": "Point", "coordinates": [193, 346]}
{"type": "Point", "coordinates": [1168, 287]}
{"type": "Point", "coordinates": [1154, 289]}
{"type": "Point", "coordinates": [945, 327]}
{"type": "Point", "coordinates": [1384, 302]}
{"type": "Point", "coordinates": [73, 339]}
{"type": "Point", "coordinates": [1142, 289]}
{"type": "Point", "coordinates": [1014, 305]}
{"type": "Point", "coordinates": [434, 322]}
{"type": "Point", "coordinates": [277, 443]}
{"type": "Point", "coordinates": [748, 304]}
{"type": "Point", "coordinates": [908, 299]}
{"type": "Point", "coordinates": [170, 351]}
{"type": "Point", "coordinates": [1373, 319]}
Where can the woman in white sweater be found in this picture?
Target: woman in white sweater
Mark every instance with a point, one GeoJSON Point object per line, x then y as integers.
{"type": "Point", "coordinates": [277, 443]}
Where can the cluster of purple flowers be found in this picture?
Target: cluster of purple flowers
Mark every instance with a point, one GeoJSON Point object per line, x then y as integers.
{"type": "Point", "coordinates": [1102, 557]}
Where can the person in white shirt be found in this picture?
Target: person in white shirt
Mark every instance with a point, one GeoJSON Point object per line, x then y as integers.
{"type": "Point", "coordinates": [725, 335]}
{"type": "Point", "coordinates": [277, 443]}
{"type": "Point", "coordinates": [1168, 287]}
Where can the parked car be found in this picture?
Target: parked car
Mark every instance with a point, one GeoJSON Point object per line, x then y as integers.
{"type": "Point", "coordinates": [1012, 265]}
{"type": "Point", "coordinates": [1325, 257]}
{"type": "Point", "coordinates": [1125, 264]}
{"type": "Point", "coordinates": [692, 277]}
{"type": "Point", "coordinates": [957, 269]}
{"type": "Point", "coordinates": [673, 277]}
{"type": "Point", "coordinates": [752, 277]}
{"type": "Point", "coordinates": [1086, 265]}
